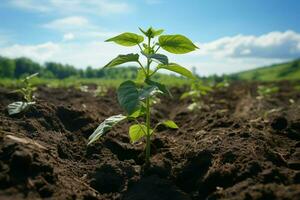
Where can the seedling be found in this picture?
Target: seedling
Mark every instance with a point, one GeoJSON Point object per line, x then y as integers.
{"type": "Point", "coordinates": [83, 88]}
{"type": "Point", "coordinates": [135, 98]}
{"type": "Point", "coordinates": [27, 92]}
{"type": "Point", "coordinates": [197, 90]}
{"type": "Point", "coordinates": [264, 91]}
{"type": "Point", "coordinates": [100, 91]}
{"type": "Point", "coordinates": [222, 84]}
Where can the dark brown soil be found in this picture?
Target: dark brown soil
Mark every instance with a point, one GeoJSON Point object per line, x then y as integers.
{"type": "Point", "coordinates": [235, 147]}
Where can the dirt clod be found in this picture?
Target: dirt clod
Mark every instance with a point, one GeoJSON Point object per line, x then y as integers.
{"type": "Point", "coordinates": [279, 123]}
{"type": "Point", "coordinates": [20, 163]}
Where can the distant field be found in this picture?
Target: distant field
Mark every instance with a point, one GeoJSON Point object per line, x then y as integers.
{"type": "Point", "coordinates": [170, 81]}
{"type": "Point", "coordinates": [58, 75]}
{"type": "Point", "coordinates": [284, 71]}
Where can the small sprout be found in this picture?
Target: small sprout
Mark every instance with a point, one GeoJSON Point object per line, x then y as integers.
{"type": "Point", "coordinates": [100, 91]}
{"type": "Point", "coordinates": [223, 84]}
{"type": "Point", "coordinates": [136, 98]}
{"type": "Point", "coordinates": [83, 88]}
{"type": "Point", "coordinates": [197, 90]}
{"type": "Point", "coordinates": [194, 106]}
{"type": "Point", "coordinates": [27, 91]}
{"type": "Point", "coordinates": [264, 91]}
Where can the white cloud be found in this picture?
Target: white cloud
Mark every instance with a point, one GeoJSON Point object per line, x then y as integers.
{"type": "Point", "coordinates": [78, 54]}
{"type": "Point", "coordinates": [226, 55]}
{"type": "Point", "coordinates": [68, 23]}
{"type": "Point", "coordinates": [95, 54]}
{"type": "Point", "coordinates": [208, 65]}
{"type": "Point", "coordinates": [40, 52]}
{"type": "Point", "coordinates": [68, 36]}
{"type": "Point", "coordinates": [33, 5]}
{"type": "Point", "coordinates": [283, 45]}
{"type": "Point", "coordinates": [98, 7]}
{"type": "Point", "coordinates": [79, 27]}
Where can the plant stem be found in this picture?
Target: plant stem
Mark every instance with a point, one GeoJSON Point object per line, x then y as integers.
{"type": "Point", "coordinates": [148, 124]}
{"type": "Point", "coordinates": [148, 142]}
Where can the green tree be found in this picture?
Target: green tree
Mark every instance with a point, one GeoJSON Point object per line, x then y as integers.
{"type": "Point", "coordinates": [7, 67]}
{"type": "Point", "coordinates": [61, 71]}
{"type": "Point", "coordinates": [90, 72]}
{"type": "Point", "coordinates": [25, 66]}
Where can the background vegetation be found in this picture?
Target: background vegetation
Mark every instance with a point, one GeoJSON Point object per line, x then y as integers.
{"type": "Point", "coordinates": [63, 75]}
{"type": "Point", "coordinates": [60, 75]}
{"type": "Point", "coordinates": [283, 71]}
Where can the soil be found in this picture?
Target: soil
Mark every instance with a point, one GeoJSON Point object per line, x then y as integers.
{"type": "Point", "coordinates": [235, 147]}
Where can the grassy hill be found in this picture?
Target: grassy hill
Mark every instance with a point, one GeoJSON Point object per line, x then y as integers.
{"type": "Point", "coordinates": [283, 71]}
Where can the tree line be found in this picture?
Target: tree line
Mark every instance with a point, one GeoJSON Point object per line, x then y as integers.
{"type": "Point", "coordinates": [22, 67]}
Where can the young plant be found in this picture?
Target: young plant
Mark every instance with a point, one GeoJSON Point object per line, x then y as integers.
{"type": "Point", "coordinates": [100, 91]}
{"type": "Point", "coordinates": [222, 84]}
{"type": "Point", "coordinates": [197, 90]}
{"type": "Point", "coordinates": [27, 92]}
{"type": "Point", "coordinates": [135, 98]}
{"type": "Point", "coordinates": [83, 88]}
{"type": "Point", "coordinates": [265, 91]}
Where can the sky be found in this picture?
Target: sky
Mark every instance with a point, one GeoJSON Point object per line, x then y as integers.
{"type": "Point", "coordinates": [232, 35]}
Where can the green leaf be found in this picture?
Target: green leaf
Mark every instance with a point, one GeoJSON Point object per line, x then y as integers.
{"type": "Point", "coordinates": [222, 84]}
{"type": "Point", "coordinates": [193, 93]}
{"type": "Point", "coordinates": [137, 131]}
{"type": "Point", "coordinates": [144, 32]}
{"type": "Point", "coordinates": [127, 39]}
{"type": "Point", "coordinates": [170, 124]}
{"type": "Point", "coordinates": [140, 77]}
{"type": "Point", "coordinates": [178, 69]}
{"type": "Point", "coordinates": [138, 112]}
{"type": "Point", "coordinates": [160, 86]}
{"type": "Point", "coordinates": [128, 96]}
{"type": "Point", "coordinates": [31, 76]}
{"type": "Point", "coordinates": [151, 32]}
{"type": "Point", "coordinates": [147, 50]}
{"type": "Point", "coordinates": [204, 88]}
{"type": "Point", "coordinates": [158, 32]}
{"type": "Point", "coordinates": [104, 127]}
{"type": "Point", "coordinates": [148, 91]}
{"type": "Point", "coordinates": [121, 59]}
{"type": "Point", "coordinates": [159, 57]}
{"type": "Point", "coordinates": [145, 46]}
{"type": "Point", "coordinates": [18, 107]}
{"type": "Point", "coordinates": [177, 44]}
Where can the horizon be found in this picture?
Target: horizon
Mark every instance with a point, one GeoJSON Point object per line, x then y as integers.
{"type": "Point", "coordinates": [162, 71]}
{"type": "Point", "coordinates": [236, 36]}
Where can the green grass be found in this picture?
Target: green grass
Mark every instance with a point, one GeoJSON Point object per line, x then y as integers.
{"type": "Point", "coordinates": [169, 80]}
{"type": "Point", "coordinates": [284, 71]}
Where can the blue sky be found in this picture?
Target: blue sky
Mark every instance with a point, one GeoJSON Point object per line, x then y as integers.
{"type": "Point", "coordinates": [233, 35]}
